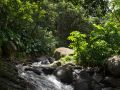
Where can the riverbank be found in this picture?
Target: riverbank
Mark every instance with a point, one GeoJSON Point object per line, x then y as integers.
{"type": "Point", "coordinates": [9, 78]}
{"type": "Point", "coordinates": [46, 72]}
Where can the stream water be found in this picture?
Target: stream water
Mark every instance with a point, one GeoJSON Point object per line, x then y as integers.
{"type": "Point", "coordinates": [42, 82]}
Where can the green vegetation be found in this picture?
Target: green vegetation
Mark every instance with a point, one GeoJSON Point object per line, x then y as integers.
{"type": "Point", "coordinates": [101, 44]}
{"type": "Point", "coordinates": [68, 59]}
{"type": "Point", "coordinates": [37, 27]}
{"type": "Point", "coordinates": [31, 28]}
{"type": "Point", "coordinates": [21, 23]}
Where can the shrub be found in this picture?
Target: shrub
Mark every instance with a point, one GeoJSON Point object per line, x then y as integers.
{"type": "Point", "coordinates": [102, 43]}
{"type": "Point", "coordinates": [68, 59]}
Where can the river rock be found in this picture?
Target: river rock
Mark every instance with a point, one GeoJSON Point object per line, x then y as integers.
{"type": "Point", "coordinates": [62, 51]}
{"type": "Point", "coordinates": [108, 88]}
{"type": "Point", "coordinates": [44, 59]}
{"type": "Point", "coordinates": [82, 81]}
{"type": "Point", "coordinates": [56, 64]}
{"type": "Point", "coordinates": [48, 70]}
{"type": "Point", "coordinates": [64, 73]}
{"type": "Point", "coordinates": [51, 59]}
{"type": "Point", "coordinates": [113, 65]}
{"type": "Point", "coordinates": [98, 77]}
{"type": "Point", "coordinates": [9, 78]}
{"type": "Point", "coordinates": [112, 82]}
{"type": "Point", "coordinates": [34, 70]}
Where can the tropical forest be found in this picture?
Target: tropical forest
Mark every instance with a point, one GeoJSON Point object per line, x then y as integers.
{"type": "Point", "coordinates": [59, 44]}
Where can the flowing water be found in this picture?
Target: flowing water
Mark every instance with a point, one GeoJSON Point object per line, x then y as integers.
{"type": "Point", "coordinates": [42, 82]}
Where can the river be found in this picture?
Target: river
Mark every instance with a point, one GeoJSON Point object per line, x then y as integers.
{"type": "Point", "coordinates": [42, 81]}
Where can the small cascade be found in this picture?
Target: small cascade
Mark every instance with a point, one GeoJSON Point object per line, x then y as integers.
{"type": "Point", "coordinates": [41, 82]}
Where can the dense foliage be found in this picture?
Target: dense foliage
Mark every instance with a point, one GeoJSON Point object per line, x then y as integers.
{"type": "Point", "coordinates": [33, 26]}
{"type": "Point", "coordinates": [36, 27]}
{"type": "Point", "coordinates": [21, 23]}
{"type": "Point", "coordinates": [104, 41]}
{"type": "Point", "coordinates": [101, 44]}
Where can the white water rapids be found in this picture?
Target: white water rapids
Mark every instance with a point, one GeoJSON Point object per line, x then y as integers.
{"type": "Point", "coordinates": [42, 82]}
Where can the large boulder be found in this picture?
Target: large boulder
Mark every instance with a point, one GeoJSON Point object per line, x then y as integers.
{"type": "Point", "coordinates": [113, 65]}
{"type": "Point", "coordinates": [62, 51]}
{"type": "Point", "coordinates": [65, 73]}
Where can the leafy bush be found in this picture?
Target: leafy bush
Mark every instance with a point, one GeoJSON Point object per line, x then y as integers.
{"type": "Point", "coordinates": [21, 22]}
{"type": "Point", "coordinates": [93, 50]}
{"type": "Point", "coordinates": [43, 43]}
{"type": "Point", "coordinates": [68, 59]}
{"type": "Point", "coordinates": [79, 43]}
